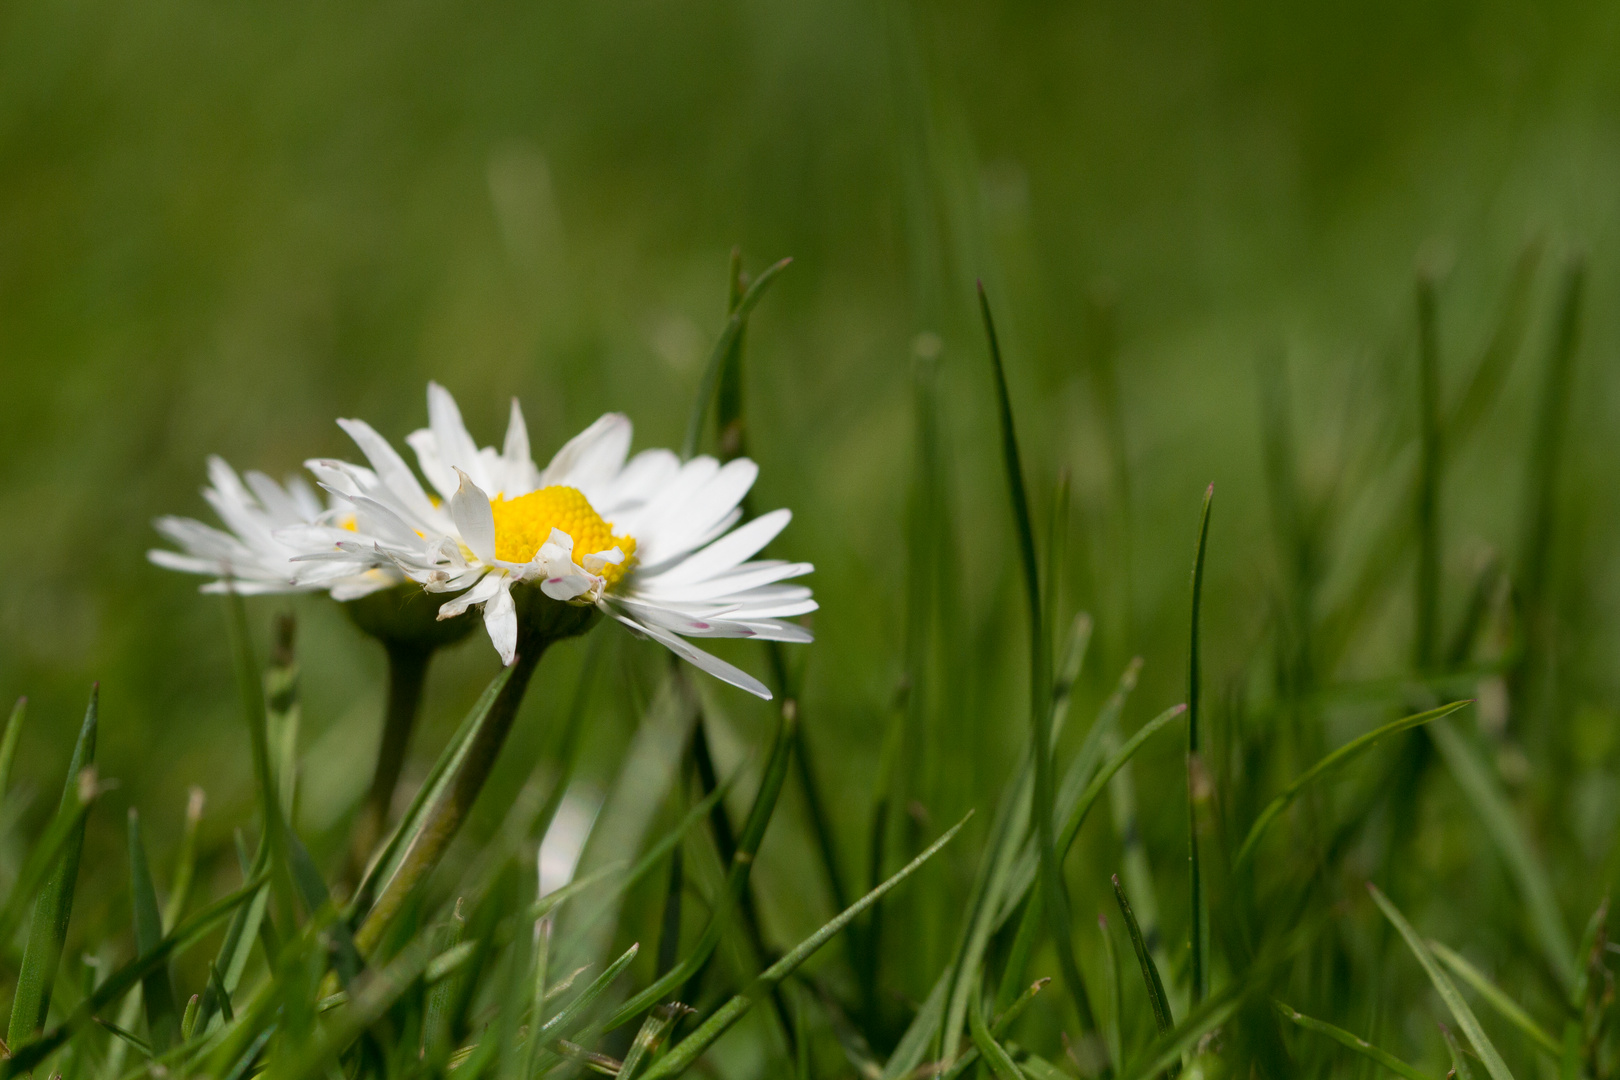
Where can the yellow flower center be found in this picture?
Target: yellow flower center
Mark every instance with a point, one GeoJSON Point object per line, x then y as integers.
{"type": "Point", "coordinates": [524, 523]}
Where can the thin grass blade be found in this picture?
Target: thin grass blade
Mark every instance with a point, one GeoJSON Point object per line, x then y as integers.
{"type": "Point", "coordinates": [1330, 762]}
{"type": "Point", "coordinates": [162, 1015]}
{"type": "Point", "coordinates": [1446, 989]}
{"type": "Point", "coordinates": [1354, 1042]}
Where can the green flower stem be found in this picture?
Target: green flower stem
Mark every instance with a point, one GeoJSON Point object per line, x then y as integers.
{"type": "Point", "coordinates": [541, 621]}
{"type": "Point", "coordinates": [407, 674]}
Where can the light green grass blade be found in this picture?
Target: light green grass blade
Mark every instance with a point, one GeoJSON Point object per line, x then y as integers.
{"type": "Point", "coordinates": [54, 907]}
{"type": "Point", "coordinates": [386, 863]}
{"type": "Point", "coordinates": [999, 1028]}
{"type": "Point", "coordinates": [1490, 804]}
{"type": "Point", "coordinates": [684, 1055]}
{"type": "Point", "coordinates": [1215, 1011]}
{"type": "Point", "coordinates": [1327, 764]}
{"type": "Point", "coordinates": [652, 1032]}
{"type": "Point", "coordinates": [8, 743]}
{"type": "Point", "coordinates": [162, 1019]}
{"type": "Point", "coordinates": [29, 1054]}
{"type": "Point", "coordinates": [995, 1055]}
{"type": "Point", "coordinates": [1495, 998]}
{"type": "Point", "coordinates": [185, 862]}
{"type": "Point", "coordinates": [1446, 989]}
{"type": "Point", "coordinates": [1354, 1042]}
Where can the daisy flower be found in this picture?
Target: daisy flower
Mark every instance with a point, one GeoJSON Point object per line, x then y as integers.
{"type": "Point", "coordinates": [649, 541]}
{"type": "Point", "coordinates": [270, 526]}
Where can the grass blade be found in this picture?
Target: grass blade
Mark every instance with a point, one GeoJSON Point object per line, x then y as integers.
{"type": "Point", "coordinates": [1460, 1069]}
{"type": "Point", "coordinates": [684, 1055]}
{"type": "Point", "coordinates": [652, 1032]}
{"type": "Point", "coordinates": [729, 337]}
{"type": "Point", "coordinates": [1150, 971]}
{"type": "Point", "coordinates": [54, 907]}
{"type": "Point", "coordinates": [8, 743]}
{"type": "Point", "coordinates": [1000, 1062]}
{"type": "Point", "coordinates": [1490, 804]}
{"type": "Point", "coordinates": [1446, 989]}
{"type": "Point", "coordinates": [1000, 1027]}
{"type": "Point", "coordinates": [162, 1015]}
{"type": "Point", "coordinates": [1330, 762]}
{"type": "Point", "coordinates": [1354, 1042]}
{"type": "Point", "coordinates": [1505, 1006]}
{"type": "Point", "coordinates": [1199, 920]}
{"type": "Point", "coordinates": [1054, 902]}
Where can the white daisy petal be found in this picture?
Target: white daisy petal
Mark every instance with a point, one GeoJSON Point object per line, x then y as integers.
{"type": "Point", "coordinates": [591, 458]}
{"type": "Point", "coordinates": [727, 552]}
{"type": "Point", "coordinates": [456, 447]}
{"type": "Point", "coordinates": [500, 619]}
{"type": "Point", "coordinates": [391, 469]}
{"type": "Point", "coordinates": [698, 658]}
{"type": "Point", "coordinates": [469, 509]}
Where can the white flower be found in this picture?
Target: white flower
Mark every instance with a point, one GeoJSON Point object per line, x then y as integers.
{"type": "Point", "coordinates": [270, 526]}
{"type": "Point", "coordinates": [649, 541]}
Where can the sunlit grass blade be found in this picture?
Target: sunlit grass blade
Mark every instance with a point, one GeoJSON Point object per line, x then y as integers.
{"type": "Point", "coordinates": [54, 906]}
{"type": "Point", "coordinates": [1054, 901]}
{"type": "Point", "coordinates": [1327, 764]}
{"type": "Point", "coordinates": [1198, 920]}
{"type": "Point", "coordinates": [8, 743]}
{"type": "Point", "coordinates": [722, 348]}
{"type": "Point", "coordinates": [1354, 1042]}
{"type": "Point", "coordinates": [1445, 988]}
{"type": "Point", "coordinates": [1491, 808]}
{"type": "Point", "coordinates": [685, 1054]}
{"type": "Point", "coordinates": [576, 1013]}
{"type": "Point", "coordinates": [1493, 996]}
{"type": "Point", "coordinates": [1150, 972]}
{"type": "Point", "coordinates": [162, 1016]}
{"type": "Point", "coordinates": [995, 1055]}
{"type": "Point", "coordinates": [656, 1026]}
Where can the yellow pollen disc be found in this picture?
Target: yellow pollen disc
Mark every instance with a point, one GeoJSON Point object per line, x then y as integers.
{"type": "Point", "coordinates": [524, 523]}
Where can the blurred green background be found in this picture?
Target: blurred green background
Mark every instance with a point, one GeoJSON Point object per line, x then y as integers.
{"type": "Point", "coordinates": [224, 223]}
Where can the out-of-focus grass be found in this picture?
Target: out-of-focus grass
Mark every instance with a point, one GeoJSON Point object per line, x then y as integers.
{"type": "Point", "coordinates": [223, 226]}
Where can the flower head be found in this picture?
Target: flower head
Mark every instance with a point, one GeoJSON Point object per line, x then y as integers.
{"type": "Point", "coordinates": [649, 540]}
{"type": "Point", "coordinates": [270, 525]}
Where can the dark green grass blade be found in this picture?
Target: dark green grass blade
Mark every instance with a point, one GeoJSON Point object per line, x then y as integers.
{"type": "Point", "coordinates": [1114, 1030]}
{"type": "Point", "coordinates": [729, 338]}
{"type": "Point", "coordinates": [54, 907]}
{"type": "Point", "coordinates": [1445, 988]}
{"type": "Point", "coordinates": [1150, 971]}
{"type": "Point", "coordinates": [1054, 901]}
{"type": "Point", "coordinates": [1327, 764]}
{"type": "Point", "coordinates": [1490, 804]}
{"type": "Point", "coordinates": [1199, 912]}
{"type": "Point", "coordinates": [1099, 783]}
{"type": "Point", "coordinates": [686, 1053]}
{"type": "Point", "coordinates": [44, 857]}
{"type": "Point", "coordinates": [576, 1013]}
{"type": "Point", "coordinates": [1493, 996]}
{"type": "Point", "coordinates": [1505, 343]}
{"type": "Point", "coordinates": [8, 743]}
{"type": "Point", "coordinates": [1212, 1014]}
{"type": "Point", "coordinates": [1354, 1042]}
{"type": "Point", "coordinates": [1000, 1062]}
{"type": "Point", "coordinates": [162, 1015]}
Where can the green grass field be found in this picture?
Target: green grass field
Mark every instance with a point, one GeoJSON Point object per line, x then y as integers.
{"type": "Point", "coordinates": [1352, 266]}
